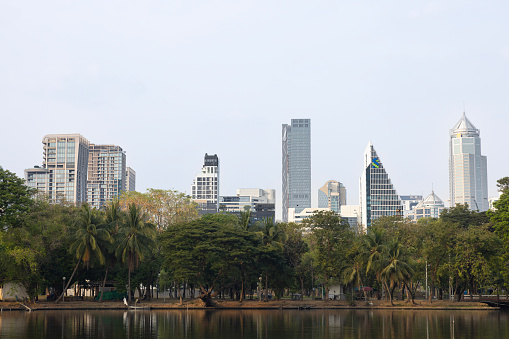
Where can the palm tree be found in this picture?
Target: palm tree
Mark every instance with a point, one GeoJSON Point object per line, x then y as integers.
{"type": "Point", "coordinates": [113, 220]}
{"type": "Point", "coordinates": [89, 238]}
{"type": "Point", "coordinates": [245, 218]}
{"type": "Point", "coordinates": [374, 248]}
{"type": "Point", "coordinates": [272, 237]}
{"type": "Point", "coordinates": [135, 240]}
{"type": "Point", "coordinates": [396, 270]}
{"type": "Point", "coordinates": [352, 273]}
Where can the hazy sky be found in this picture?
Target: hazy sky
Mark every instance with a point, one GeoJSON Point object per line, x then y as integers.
{"type": "Point", "coordinates": [169, 81]}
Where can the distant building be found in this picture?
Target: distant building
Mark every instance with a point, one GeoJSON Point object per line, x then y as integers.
{"type": "Point", "coordinates": [468, 178]}
{"type": "Point", "coordinates": [296, 142]}
{"type": "Point", "coordinates": [409, 202]}
{"type": "Point", "coordinates": [261, 202]}
{"type": "Point", "coordinates": [431, 207]}
{"type": "Point", "coordinates": [377, 196]}
{"type": "Point", "coordinates": [352, 214]}
{"type": "Point", "coordinates": [205, 188]}
{"type": "Point", "coordinates": [63, 176]}
{"type": "Point", "coordinates": [332, 195]}
{"type": "Point", "coordinates": [130, 179]}
{"type": "Point", "coordinates": [298, 217]}
{"type": "Point", "coordinates": [106, 174]}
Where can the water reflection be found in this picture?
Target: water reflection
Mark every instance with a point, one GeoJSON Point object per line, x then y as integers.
{"type": "Point", "coordinates": [255, 324]}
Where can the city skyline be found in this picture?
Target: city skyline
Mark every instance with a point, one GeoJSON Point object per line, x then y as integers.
{"type": "Point", "coordinates": [168, 84]}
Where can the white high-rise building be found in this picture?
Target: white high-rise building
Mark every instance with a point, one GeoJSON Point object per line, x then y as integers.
{"type": "Point", "coordinates": [377, 195]}
{"type": "Point", "coordinates": [63, 176]}
{"type": "Point", "coordinates": [205, 188]}
{"type": "Point", "coordinates": [332, 195]}
{"type": "Point", "coordinates": [468, 176]}
{"type": "Point", "coordinates": [106, 174]}
{"type": "Point", "coordinates": [130, 179]}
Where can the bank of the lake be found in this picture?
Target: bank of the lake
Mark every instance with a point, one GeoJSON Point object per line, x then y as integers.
{"type": "Point", "coordinates": [249, 304]}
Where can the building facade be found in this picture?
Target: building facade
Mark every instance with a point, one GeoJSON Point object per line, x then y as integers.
{"type": "Point", "coordinates": [351, 213]}
{"type": "Point", "coordinates": [296, 166]}
{"type": "Point", "coordinates": [431, 207]}
{"type": "Point", "coordinates": [106, 174]}
{"type": "Point", "coordinates": [63, 176]}
{"type": "Point", "coordinates": [409, 202]}
{"type": "Point", "coordinates": [205, 188]}
{"type": "Point", "coordinates": [377, 196]}
{"type": "Point", "coordinates": [130, 179]}
{"type": "Point", "coordinates": [468, 176]}
{"type": "Point", "coordinates": [332, 195]}
{"type": "Point", "coordinates": [261, 202]}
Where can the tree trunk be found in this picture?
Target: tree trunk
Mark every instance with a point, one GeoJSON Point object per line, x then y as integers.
{"type": "Point", "coordinates": [69, 281]}
{"type": "Point", "coordinates": [266, 286]}
{"type": "Point", "coordinates": [129, 284]}
{"type": "Point", "coordinates": [104, 284]}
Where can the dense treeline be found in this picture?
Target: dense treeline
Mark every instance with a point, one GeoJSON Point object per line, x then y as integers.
{"type": "Point", "coordinates": [157, 238]}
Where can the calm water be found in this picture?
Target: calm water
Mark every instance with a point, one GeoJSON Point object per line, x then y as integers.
{"type": "Point", "coordinates": [256, 324]}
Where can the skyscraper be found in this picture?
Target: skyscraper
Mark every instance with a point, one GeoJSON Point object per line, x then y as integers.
{"type": "Point", "coordinates": [377, 194]}
{"type": "Point", "coordinates": [296, 166]}
{"type": "Point", "coordinates": [106, 174]}
{"type": "Point", "coordinates": [332, 195]}
{"type": "Point", "coordinates": [63, 175]}
{"type": "Point", "coordinates": [130, 179]}
{"type": "Point", "coordinates": [205, 188]}
{"type": "Point", "coordinates": [468, 178]}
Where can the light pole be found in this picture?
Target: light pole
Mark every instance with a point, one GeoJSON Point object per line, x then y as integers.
{"type": "Point", "coordinates": [63, 287]}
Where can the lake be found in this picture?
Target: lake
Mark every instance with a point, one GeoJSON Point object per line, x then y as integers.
{"type": "Point", "coordinates": [255, 324]}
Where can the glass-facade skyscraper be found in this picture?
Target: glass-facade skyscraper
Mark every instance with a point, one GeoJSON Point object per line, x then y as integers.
{"type": "Point", "coordinates": [468, 177]}
{"type": "Point", "coordinates": [296, 142]}
{"type": "Point", "coordinates": [377, 196]}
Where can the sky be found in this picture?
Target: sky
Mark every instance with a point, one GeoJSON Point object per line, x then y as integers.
{"type": "Point", "coordinates": [169, 81]}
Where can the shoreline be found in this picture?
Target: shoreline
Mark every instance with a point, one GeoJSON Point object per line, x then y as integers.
{"type": "Point", "coordinates": [196, 304]}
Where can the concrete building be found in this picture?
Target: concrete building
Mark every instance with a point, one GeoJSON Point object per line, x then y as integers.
{"type": "Point", "coordinates": [296, 167]}
{"type": "Point", "coordinates": [205, 188]}
{"type": "Point", "coordinates": [130, 179]}
{"type": "Point", "coordinates": [106, 174]}
{"type": "Point", "coordinates": [468, 177]}
{"type": "Point", "coordinates": [262, 203]}
{"type": "Point", "coordinates": [431, 207]}
{"type": "Point", "coordinates": [332, 195]}
{"type": "Point", "coordinates": [409, 202]}
{"type": "Point", "coordinates": [352, 214]}
{"type": "Point", "coordinates": [298, 217]}
{"type": "Point", "coordinates": [63, 176]}
{"type": "Point", "coordinates": [377, 196]}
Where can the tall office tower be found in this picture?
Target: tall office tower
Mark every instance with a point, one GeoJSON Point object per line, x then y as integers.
{"type": "Point", "coordinates": [63, 175]}
{"type": "Point", "coordinates": [332, 195]}
{"type": "Point", "coordinates": [205, 189]}
{"type": "Point", "coordinates": [468, 177]}
{"type": "Point", "coordinates": [130, 179]}
{"type": "Point", "coordinates": [296, 166]}
{"type": "Point", "coordinates": [377, 194]}
{"type": "Point", "coordinates": [106, 174]}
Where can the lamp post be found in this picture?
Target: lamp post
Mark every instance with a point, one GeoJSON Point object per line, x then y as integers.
{"type": "Point", "coordinates": [63, 287]}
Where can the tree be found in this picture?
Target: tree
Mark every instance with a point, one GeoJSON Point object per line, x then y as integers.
{"type": "Point", "coordinates": [503, 184]}
{"type": "Point", "coordinates": [89, 237]}
{"type": "Point", "coordinates": [331, 238]}
{"type": "Point", "coordinates": [15, 199]}
{"type": "Point", "coordinates": [162, 207]}
{"type": "Point", "coordinates": [396, 269]}
{"type": "Point", "coordinates": [207, 253]}
{"type": "Point", "coordinates": [135, 239]}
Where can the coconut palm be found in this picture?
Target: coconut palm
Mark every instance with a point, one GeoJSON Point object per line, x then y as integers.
{"type": "Point", "coordinates": [135, 239]}
{"type": "Point", "coordinates": [397, 268]}
{"type": "Point", "coordinates": [90, 238]}
{"type": "Point", "coordinates": [272, 237]}
{"type": "Point", "coordinates": [114, 218]}
{"type": "Point", "coordinates": [352, 272]}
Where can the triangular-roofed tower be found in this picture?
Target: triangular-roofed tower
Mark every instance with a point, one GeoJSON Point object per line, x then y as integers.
{"type": "Point", "coordinates": [378, 196]}
{"type": "Point", "coordinates": [468, 178]}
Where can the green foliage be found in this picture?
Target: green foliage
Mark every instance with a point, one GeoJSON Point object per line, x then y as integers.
{"type": "Point", "coordinates": [15, 199]}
